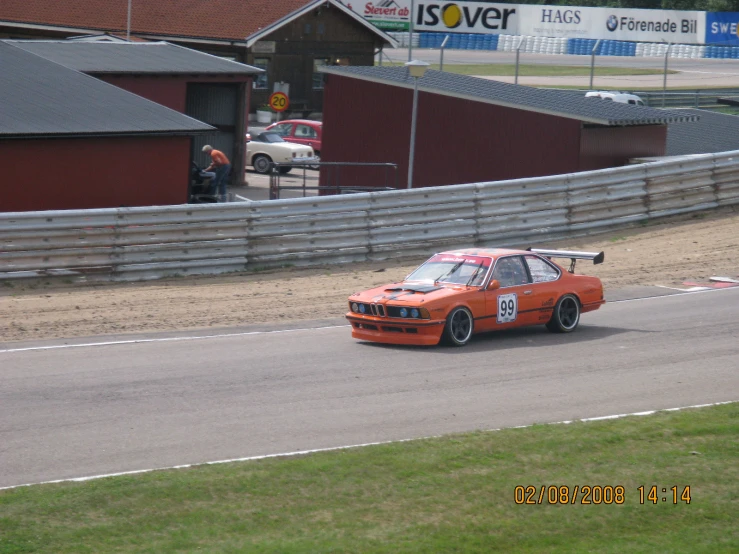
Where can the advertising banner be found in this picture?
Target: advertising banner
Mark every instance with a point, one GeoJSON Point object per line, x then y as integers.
{"type": "Point", "coordinates": [685, 27]}
{"type": "Point", "coordinates": [388, 15]}
{"type": "Point", "coordinates": [721, 28]}
{"type": "Point", "coordinates": [466, 17]}
{"type": "Point", "coordinates": [445, 16]}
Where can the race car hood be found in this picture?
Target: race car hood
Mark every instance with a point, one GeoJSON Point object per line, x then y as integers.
{"type": "Point", "coordinates": [409, 293]}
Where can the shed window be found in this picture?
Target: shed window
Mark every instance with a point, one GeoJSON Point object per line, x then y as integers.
{"type": "Point", "coordinates": [318, 77]}
{"type": "Point", "coordinates": [261, 81]}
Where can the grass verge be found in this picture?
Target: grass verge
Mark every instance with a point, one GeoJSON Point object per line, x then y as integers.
{"type": "Point", "coordinates": [537, 70]}
{"type": "Point", "coordinates": [450, 494]}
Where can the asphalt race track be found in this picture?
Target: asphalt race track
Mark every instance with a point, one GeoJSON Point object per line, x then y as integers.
{"type": "Point", "coordinates": [88, 410]}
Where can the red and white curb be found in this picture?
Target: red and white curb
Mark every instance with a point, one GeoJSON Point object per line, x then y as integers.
{"type": "Point", "coordinates": [337, 448]}
{"type": "Point", "coordinates": [714, 283]}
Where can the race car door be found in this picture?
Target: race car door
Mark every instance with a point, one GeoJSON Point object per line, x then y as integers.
{"type": "Point", "coordinates": [513, 304]}
{"type": "Point", "coordinates": [544, 277]}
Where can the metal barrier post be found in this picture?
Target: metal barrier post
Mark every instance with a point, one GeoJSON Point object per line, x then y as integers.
{"type": "Point", "coordinates": [518, 51]}
{"type": "Point", "coordinates": [273, 189]}
{"type": "Point", "coordinates": [664, 82]}
{"type": "Point", "coordinates": [441, 53]}
{"type": "Point", "coordinates": [592, 62]}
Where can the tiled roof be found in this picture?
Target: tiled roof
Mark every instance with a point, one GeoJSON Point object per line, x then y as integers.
{"type": "Point", "coordinates": [207, 19]}
{"type": "Point", "coordinates": [561, 103]}
{"type": "Point", "coordinates": [137, 57]}
{"type": "Point", "coordinates": [715, 132]}
{"type": "Point", "coordinates": [42, 98]}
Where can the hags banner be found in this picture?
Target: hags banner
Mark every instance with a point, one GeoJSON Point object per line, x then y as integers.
{"type": "Point", "coordinates": [722, 28]}
{"type": "Point", "coordinates": [686, 27]}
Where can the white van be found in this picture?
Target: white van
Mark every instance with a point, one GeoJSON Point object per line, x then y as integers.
{"type": "Point", "coordinates": [616, 96]}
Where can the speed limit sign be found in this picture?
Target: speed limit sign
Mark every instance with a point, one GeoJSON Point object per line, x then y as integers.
{"type": "Point", "coordinates": [278, 101]}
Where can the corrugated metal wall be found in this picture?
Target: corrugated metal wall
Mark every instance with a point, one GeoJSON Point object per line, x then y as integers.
{"type": "Point", "coordinates": [62, 174]}
{"type": "Point", "coordinates": [214, 104]}
{"type": "Point", "coordinates": [457, 141]}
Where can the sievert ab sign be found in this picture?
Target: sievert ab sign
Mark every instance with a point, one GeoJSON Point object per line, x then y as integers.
{"type": "Point", "coordinates": [392, 15]}
{"type": "Point", "coordinates": [685, 27]}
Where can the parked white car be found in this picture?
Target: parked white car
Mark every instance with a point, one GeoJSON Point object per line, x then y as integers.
{"type": "Point", "coordinates": [616, 96]}
{"type": "Point", "coordinates": [265, 149]}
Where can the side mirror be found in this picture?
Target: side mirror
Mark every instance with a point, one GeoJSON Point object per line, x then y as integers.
{"type": "Point", "coordinates": [494, 284]}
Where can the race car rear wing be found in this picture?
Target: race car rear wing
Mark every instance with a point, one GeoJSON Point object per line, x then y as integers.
{"type": "Point", "coordinates": [597, 257]}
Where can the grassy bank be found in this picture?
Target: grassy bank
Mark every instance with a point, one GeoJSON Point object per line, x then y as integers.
{"type": "Point", "coordinates": [539, 70]}
{"type": "Point", "coordinates": [452, 494]}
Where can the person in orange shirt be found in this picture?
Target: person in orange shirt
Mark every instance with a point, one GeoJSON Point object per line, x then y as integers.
{"type": "Point", "coordinates": [222, 168]}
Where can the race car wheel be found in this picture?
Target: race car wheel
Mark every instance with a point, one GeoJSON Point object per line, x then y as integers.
{"type": "Point", "coordinates": [262, 164]}
{"type": "Point", "coordinates": [566, 315]}
{"type": "Point", "coordinates": [458, 328]}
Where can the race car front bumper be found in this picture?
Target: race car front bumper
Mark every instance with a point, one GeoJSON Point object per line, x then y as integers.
{"type": "Point", "coordinates": [392, 331]}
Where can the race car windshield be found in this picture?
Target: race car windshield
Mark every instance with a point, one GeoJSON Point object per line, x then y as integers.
{"type": "Point", "coordinates": [458, 270]}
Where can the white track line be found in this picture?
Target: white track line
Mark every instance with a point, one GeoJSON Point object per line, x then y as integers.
{"type": "Point", "coordinates": [167, 339]}
{"type": "Point", "coordinates": [247, 333]}
{"type": "Point", "coordinates": [335, 448]}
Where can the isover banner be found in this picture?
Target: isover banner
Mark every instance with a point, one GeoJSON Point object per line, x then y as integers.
{"type": "Point", "coordinates": [466, 17]}
{"type": "Point", "coordinates": [686, 27]}
{"type": "Point", "coordinates": [722, 28]}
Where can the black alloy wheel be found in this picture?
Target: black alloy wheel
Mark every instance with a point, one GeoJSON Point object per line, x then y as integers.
{"type": "Point", "coordinates": [459, 327]}
{"type": "Point", "coordinates": [566, 315]}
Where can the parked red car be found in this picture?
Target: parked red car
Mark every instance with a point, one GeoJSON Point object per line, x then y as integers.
{"type": "Point", "coordinates": [301, 131]}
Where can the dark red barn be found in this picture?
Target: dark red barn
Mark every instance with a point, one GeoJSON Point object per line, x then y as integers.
{"type": "Point", "coordinates": [68, 140]}
{"type": "Point", "coordinates": [475, 130]}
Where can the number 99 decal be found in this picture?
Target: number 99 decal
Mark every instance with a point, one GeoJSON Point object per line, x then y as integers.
{"type": "Point", "coordinates": [507, 308]}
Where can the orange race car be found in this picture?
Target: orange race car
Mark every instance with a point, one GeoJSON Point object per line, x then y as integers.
{"type": "Point", "coordinates": [455, 294]}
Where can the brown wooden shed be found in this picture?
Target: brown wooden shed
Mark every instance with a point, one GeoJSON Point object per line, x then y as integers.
{"type": "Point", "coordinates": [71, 141]}
{"type": "Point", "coordinates": [204, 87]}
{"type": "Point", "coordinates": [474, 130]}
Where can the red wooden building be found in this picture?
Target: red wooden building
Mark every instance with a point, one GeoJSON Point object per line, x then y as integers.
{"type": "Point", "coordinates": [476, 130]}
{"type": "Point", "coordinates": [70, 141]}
{"type": "Point", "coordinates": [205, 87]}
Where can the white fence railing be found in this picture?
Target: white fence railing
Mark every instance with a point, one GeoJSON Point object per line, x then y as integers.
{"type": "Point", "coordinates": [152, 242]}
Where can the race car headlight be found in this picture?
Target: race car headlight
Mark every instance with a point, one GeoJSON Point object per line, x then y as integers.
{"type": "Point", "coordinates": [403, 312]}
{"type": "Point", "coordinates": [361, 308]}
{"type": "Point", "coordinates": [355, 307]}
{"type": "Point", "coordinates": [414, 313]}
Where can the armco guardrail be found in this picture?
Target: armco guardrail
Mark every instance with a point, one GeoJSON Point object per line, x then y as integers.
{"type": "Point", "coordinates": [146, 243]}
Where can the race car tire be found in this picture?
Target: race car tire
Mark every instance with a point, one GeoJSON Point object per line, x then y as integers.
{"type": "Point", "coordinates": [566, 315]}
{"type": "Point", "coordinates": [458, 328]}
{"type": "Point", "coordinates": [262, 164]}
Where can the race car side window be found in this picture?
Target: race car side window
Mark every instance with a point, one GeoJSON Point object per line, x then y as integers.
{"type": "Point", "coordinates": [541, 271]}
{"type": "Point", "coordinates": [509, 272]}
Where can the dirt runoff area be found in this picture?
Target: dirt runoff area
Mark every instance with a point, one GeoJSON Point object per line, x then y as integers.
{"type": "Point", "coordinates": [670, 252]}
